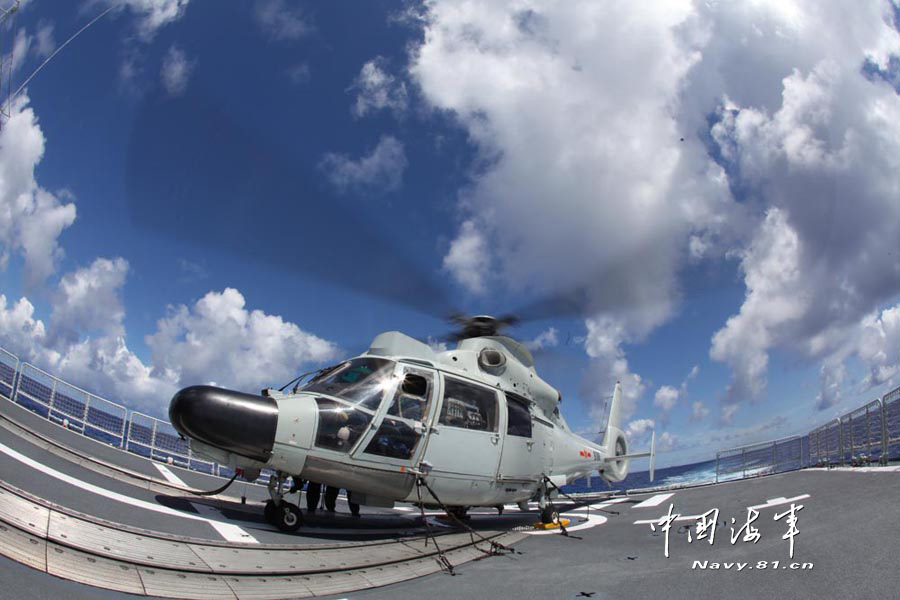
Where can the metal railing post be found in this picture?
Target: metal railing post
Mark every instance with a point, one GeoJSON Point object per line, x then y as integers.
{"type": "Point", "coordinates": [868, 434]}
{"type": "Point", "coordinates": [841, 439]}
{"type": "Point", "coordinates": [52, 398]}
{"type": "Point", "coordinates": [84, 414]}
{"type": "Point", "coordinates": [717, 467]}
{"type": "Point", "coordinates": [153, 439]}
{"type": "Point", "coordinates": [774, 460]}
{"type": "Point", "coordinates": [884, 440]}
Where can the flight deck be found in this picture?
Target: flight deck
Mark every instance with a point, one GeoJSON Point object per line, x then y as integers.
{"type": "Point", "coordinates": [82, 518]}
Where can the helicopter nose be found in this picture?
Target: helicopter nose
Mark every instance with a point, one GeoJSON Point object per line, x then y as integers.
{"type": "Point", "coordinates": [240, 423]}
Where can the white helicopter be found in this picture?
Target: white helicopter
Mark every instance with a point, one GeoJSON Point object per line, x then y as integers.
{"type": "Point", "coordinates": [474, 426]}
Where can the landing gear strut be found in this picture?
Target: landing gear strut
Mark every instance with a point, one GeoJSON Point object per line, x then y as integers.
{"type": "Point", "coordinates": [278, 511]}
{"type": "Point", "coordinates": [549, 514]}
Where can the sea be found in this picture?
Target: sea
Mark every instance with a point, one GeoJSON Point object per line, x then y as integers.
{"type": "Point", "coordinates": [682, 475]}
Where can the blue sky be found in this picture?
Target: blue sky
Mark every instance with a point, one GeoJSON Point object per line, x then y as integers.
{"type": "Point", "coordinates": [235, 192]}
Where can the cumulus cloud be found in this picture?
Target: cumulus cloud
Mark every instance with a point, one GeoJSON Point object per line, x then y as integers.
{"type": "Point", "coordinates": [152, 14]}
{"type": "Point", "coordinates": [639, 427]}
{"type": "Point", "coordinates": [299, 73]}
{"type": "Point", "coordinates": [176, 71]}
{"type": "Point", "coordinates": [31, 217]}
{"type": "Point", "coordinates": [88, 302]}
{"type": "Point", "coordinates": [216, 340]}
{"type": "Point", "coordinates": [280, 21]}
{"type": "Point", "coordinates": [699, 411]}
{"type": "Point", "coordinates": [45, 44]}
{"type": "Point", "coordinates": [219, 339]}
{"type": "Point", "coordinates": [468, 258]}
{"type": "Point", "coordinates": [583, 161]}
{"type": "Point", "coordinates": [380, 170]}
{"type": "Point", "coordinates": [764, 131]}
{"type": "Point", "coordinates": [816, 145]}
{"type": "Point", "coordinates": [376, 89]}
{"type": "Point", "coordinates": [603, 345]}
{"type": "Point", "coordinates": [665, 398]}
{"type": "Point", "coordinates": [548, 338]}
{"type": "Point", "coordinates": [85, 340]}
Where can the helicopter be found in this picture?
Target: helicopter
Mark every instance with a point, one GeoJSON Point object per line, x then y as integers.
{"type": "Point", "coordinates": [476, 425]}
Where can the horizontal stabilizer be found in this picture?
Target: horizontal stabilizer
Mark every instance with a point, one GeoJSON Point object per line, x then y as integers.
{"type": "Point", "coordinates": [628, 456]}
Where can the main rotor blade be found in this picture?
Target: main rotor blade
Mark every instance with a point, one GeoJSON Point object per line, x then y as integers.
{"type": "Point", "coordinates": [611, 288]}
{"type": "Point", "coordinates": [186, 151]}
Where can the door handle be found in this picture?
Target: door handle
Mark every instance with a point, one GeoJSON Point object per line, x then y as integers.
{"type": "Point", "coordinates": [495, 439]}
{"type": "Point", "coordinates": [530, 445]}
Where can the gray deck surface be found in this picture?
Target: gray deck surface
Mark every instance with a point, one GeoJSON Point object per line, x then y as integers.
{"type": "Point", "coordinates": [849, 529]}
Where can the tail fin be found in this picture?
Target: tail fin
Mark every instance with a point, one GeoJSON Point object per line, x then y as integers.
{"type": "Point", "coordinates": [615, 409]}
{"type": "Point", "coordinates": [614, 441]}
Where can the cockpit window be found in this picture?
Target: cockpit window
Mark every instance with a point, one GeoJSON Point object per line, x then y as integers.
{"type": "Point", "coordinates": [397, 437]}
{"type": "Point", "coordinates": [361, 381]}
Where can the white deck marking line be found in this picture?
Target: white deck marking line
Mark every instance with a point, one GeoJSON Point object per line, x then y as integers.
{"type": "Point", "coordinates": [230, 532]}
{"type": "Point", "coordinates": [226, 530]}
{"type": "Point", "coordinates": [654, 500]}
{"type": "Point", "coordinates": [779, 501]}
{"type": "Point", "coordinates": [169, 475]}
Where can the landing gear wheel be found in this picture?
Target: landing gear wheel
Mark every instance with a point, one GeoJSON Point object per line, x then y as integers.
{"type": "Point", "coordinates": [287, 517]}
{"type": "Point", "coordinates": [549, 515]}
{"type": "Point", "coordinates": [269, 511]}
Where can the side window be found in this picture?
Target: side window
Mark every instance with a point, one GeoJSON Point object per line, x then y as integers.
{"type": "Point", "coordinates": [519, 421]}
{"type": "Point", "coordinates": [468, 406]}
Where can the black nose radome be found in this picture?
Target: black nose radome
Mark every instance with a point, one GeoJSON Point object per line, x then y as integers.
{"type": "Point", "coordinates": [241, 423]}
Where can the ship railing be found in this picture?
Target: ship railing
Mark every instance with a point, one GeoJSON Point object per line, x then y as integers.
{"type": "Point", "coordinates": [98, 418]}
{"type": "Point", "coordinates": [760, 458]}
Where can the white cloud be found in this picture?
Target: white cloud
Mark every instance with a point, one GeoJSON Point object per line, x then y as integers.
{"type": "Point", "coordinates": [376, 89]}
{"type": "Point", "coordinates": [666, 441]}
{"type": "Point", "coordinates": [381, 170]}
{"type": "Point", "coordinates": [822, 155]}
{"type": "Point", "coordinates": [832, 378]}
{"type": "Point", "coordinates": [728, 412]}
{"type": "Point", "coordinates": [19, 329]}
{"type": "Point", "coordinates": [699, 411]}
{"type": "Point", "coordinates": [639, 427]}
{"type": "Point", "coordinates": [548, 338]}
{"type": "Point", "coordinates": [665, 398]}
{"type": "Point", "coordinates": [281, 21]}
{"type": "Point", "coordinates": [468, 258]}
{"type": "Point", "coordinates": [44, 42]}
{"type": "Point", "coordinates": [13, 61]}
{"type": "Point", "coordinates": [603, 345]}
{"type": "Point", "coordinates": [85, 342]}
{"type": "Point", "coordinates": [176, 71]}
{"type": "Point", "coordinates": [31, 218]}
{"type": "Point", "coordinates": [584, 164]}
{"type": "Point", "coordinates": [299, 73]}
{"type": "Point", "coordinates": [775, 296]}
{"type": "Point", "coordinates": [219, 339]}
{"type": "Point", "coordinates": [152, 14]}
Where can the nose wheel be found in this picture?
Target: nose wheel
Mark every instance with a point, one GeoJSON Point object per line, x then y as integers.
{"type": "Point", "coordinates": [278, 511]}
{"type": "Point", "coordinates": [287, 517]}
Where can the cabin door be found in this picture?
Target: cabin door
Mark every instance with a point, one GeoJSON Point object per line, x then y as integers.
{"type": "Point", "coordinates": [465, 440]}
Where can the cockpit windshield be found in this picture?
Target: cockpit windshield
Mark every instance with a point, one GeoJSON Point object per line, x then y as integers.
{"type": "Point", "coordinates": [361, 381]}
